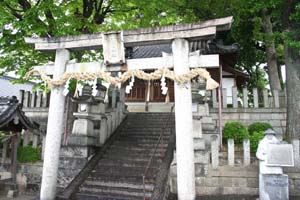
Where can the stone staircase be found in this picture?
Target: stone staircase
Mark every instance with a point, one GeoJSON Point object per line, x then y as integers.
{"type": "Point", "coordinates": [118, 173]}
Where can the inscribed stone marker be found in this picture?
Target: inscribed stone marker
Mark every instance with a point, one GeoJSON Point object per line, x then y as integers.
{"type": "Point", "coordinates": [276, 186]}
{"type": "Point", "coordinates": [280, 155]}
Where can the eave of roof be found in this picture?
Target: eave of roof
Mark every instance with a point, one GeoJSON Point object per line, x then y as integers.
{"type": "Point", "coordinates": [10, 110]}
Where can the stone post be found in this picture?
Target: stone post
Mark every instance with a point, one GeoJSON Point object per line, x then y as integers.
{"type": "Point", "coordinates": [276, 98]}
{"type": "Point", "coordinates": [214, 151]}
{"type": "Point", "coordinates": [255, 97]}
{"type": "Point", "coordinates": [35, 141]}
{"type": "Point", "coordinates": [55, 129]}
{"type": "Point", "coordinates": [184, 124]}
{"type": "Point", "coordinates": [113, 121]}
{"type": "Point", "coordinates": [234, 97]}
{"type": "Point", "coordinates": [39, 99]}
{"type": "Point", "coordinates": [295, 143]}
{"type": "Point", "coordinates": [26, 138]}
{"type": "Point", "coordinates": [246, 148]}
{"type": "Point", "coordinates": [43, 146]}
{"type": "Point", "coordinates": [214, 98]}
{"type": "Point", "coordinates": [4, 151]}
{"type": "Point", "coordinates": [122, 100]}
{"type": "Point", "coordinates": [13, 191]}
{"type": "Point", "coordinates": [113, 97]}
{"type": "Point", "coordinates": [266, 98]}
{"type": "Point", "coordinates": [44, 100]}
{"type": "Point", "coordinates": [119, 111]}
{"type": "Point", "coordinates": [231, 152]}
{"type": "Point", "coordinates": [33, 100]}
{"type": "Point", "coordinates": [103, 130]}
{"type": "Point", "coordinates": [26, 102]}
{"type": "Point", "coordinates": [245, 97]}
{"type": "Point", "coordinates": [224, 97]}
{"type": "Point", "coordinates": [109, 124]}
{"type": "Point", "coordinates": [21, 96]}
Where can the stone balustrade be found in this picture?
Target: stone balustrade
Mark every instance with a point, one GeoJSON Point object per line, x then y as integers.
{"type": "Point", "coordinates": [34, 99]}
{"type": "Point", "coordinates": [241, 155]}
{"type": "Point", "coordinates": [248, 99]}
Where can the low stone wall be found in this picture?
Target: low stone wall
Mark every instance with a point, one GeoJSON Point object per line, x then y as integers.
{"type": "Point", "coordinates": [275, 116]}
{"type": "Point", "coordinates": [238, 180]}
{"type": "Point", "coordinates": [28, 178]}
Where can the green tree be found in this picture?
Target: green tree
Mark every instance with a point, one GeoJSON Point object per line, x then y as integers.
{"type": "Point", "coordinates": [291, 27]}
{"type": "Point", "coordinates": [51, 18]}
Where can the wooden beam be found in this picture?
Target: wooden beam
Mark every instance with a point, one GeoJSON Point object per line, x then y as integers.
{"type": "Point", "coordinates": [207, 61]}
{"type": "Point", "coordinates": [163, 34]}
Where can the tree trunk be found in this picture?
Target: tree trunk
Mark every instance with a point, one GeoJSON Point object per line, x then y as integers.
{"type": "Point", "coordinates": [271, 52]}
{"type": "Point", "coordinates": [292, 62]}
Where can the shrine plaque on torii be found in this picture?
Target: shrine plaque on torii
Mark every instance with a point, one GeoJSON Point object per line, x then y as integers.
{"type": "Point", "coordinates": [114, 60]}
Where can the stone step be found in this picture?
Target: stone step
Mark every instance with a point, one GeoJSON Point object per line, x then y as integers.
{"type": "Point", "coordinates": [119, 173]}
{"type": "Point", "coordinates": [117, 146]}
{"type": "Point", "coordinates": [144, 133]}
{"type": "Point", "coordinates": [144, 152]}
{"type": "Point", "coordinates": [130, 157]}
{"type": "Point", "coordinates": [165, 137]}
{"type": "Point", "coordinates": [124, 178]}
{"type": "Point", "coordinates": [119, 170]}
{"type": "Point", "coordinates": [143, 136]}
{"type": "Point", "coordinates": [208, 126]}
{"type": "Point", "coordinates": [119, 184]}
{"type": "Point", "coordinates": [206, 119]}
{"type": "Point", "coordinates": [114, 191]}
{"type": "Point", "coordinates": [89, 196]}
{"type": "Point", "coordinates": [126, 140]}
{"type": "Point", "coordinates": [127, 163]}
{"type": "Point", "coordinates": [199, 144]}
{"type": "Point", "coordinates": [146, 129]}
{"type": "Point", "coordinates": [145, 145]}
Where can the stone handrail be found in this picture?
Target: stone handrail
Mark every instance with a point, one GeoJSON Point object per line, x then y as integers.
{"type": "Point", "coordinates": [72, 188]}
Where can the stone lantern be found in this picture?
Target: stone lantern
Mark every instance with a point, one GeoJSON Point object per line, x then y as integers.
{"type": "Point", "coordinates": [89, 107]}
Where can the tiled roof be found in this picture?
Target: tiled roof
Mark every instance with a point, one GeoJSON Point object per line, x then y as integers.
{"type": "Point", "coordinates": [205, 47]}
{"type": "Point", "coordinates": [11, 116]}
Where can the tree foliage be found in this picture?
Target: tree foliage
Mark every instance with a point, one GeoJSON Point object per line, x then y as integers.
{"type": "Point", "coordinates": [51, 18]}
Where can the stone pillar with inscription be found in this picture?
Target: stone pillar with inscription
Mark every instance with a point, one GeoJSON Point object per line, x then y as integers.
{"type": "Point", "coordinates": [273, 155]}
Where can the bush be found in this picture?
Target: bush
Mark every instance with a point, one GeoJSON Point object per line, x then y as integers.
{"type": "Point", "coordinates": [254, 140]}
{"type": "Point", "coordinates": [28, 154]}
{"type": "Point", "coordinates": [258, 127]}
{"type": "Point", "coordinates": [236, 131]}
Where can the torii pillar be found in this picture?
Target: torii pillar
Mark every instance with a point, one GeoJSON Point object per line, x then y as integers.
{"type": "Point", "coordinates": [184, 124]}
{"type": "Point", "coordinates": [55, 129]}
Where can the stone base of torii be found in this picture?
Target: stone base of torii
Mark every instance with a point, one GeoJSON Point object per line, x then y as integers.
{"type": "Point", "coordinates": [181, 61]}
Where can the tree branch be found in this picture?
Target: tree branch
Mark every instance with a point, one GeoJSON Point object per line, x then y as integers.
{"type": "Point", "coordinates": [14, 12]}
{"type": "Point", "coordinates": [25, 4]}
{"type": "Point", "coordinates": [87, 8]}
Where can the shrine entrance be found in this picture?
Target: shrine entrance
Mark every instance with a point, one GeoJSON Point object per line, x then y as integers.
{"type": "Point", "coordinates": [186, 66]}
{"type": "Point", "coordinates": [144, 91]}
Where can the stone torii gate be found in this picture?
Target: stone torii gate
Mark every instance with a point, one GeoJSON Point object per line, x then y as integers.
{"type": "Point", "coordinates": [113, 49]}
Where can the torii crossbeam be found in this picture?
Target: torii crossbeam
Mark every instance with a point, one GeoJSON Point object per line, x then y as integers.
{"type": "Point", "coordinates": [181, 61]}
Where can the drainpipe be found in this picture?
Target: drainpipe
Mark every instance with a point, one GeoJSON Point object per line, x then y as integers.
{"type": "Point", "coordinates": [220, 108]}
